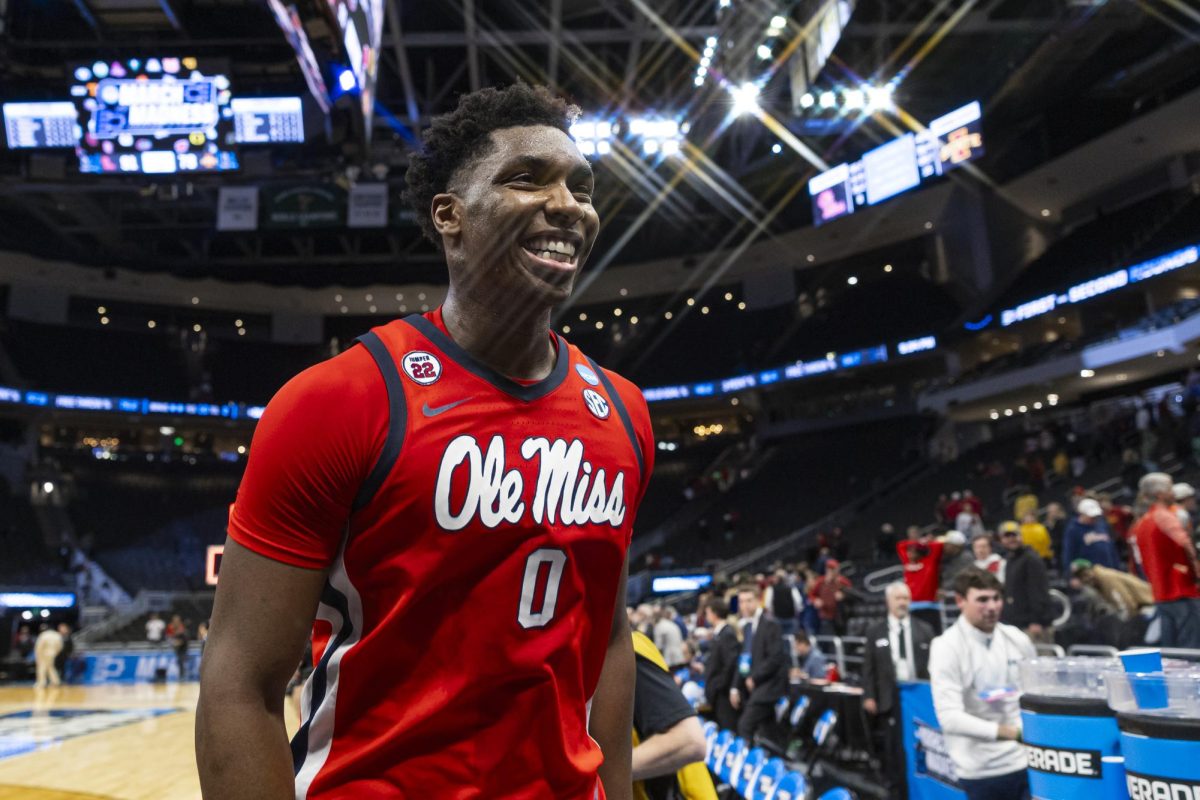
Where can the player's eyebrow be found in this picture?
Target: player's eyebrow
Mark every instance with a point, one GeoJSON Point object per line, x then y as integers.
{"type": "Point", "coordinates": [582, 170]}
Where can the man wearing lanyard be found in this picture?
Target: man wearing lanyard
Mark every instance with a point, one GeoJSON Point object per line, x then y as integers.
{"type": "Point", "coordinates": [897, 650]}
{"type": "Point", "coordinates": [973, 670]}
{"type": "Point", "coordinates": [762, 667]}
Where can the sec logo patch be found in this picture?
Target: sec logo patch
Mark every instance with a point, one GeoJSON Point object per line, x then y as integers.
{"type": "Point", "coordinates": [596, 404]}
{"type": "Point", "coordinates": [422, 367]}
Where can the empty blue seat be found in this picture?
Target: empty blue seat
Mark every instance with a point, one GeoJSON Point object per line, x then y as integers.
{"type": "Point", "coordinates": [792, 786]}
{"type": "Point", "coordinates": [732, 759]}
{"type": "Point", "coordinates": [723, 740]}
{"type": "Point", "coordinates": [824, 727]}
{"type": "Point", "coordinates": [781, 708]}
{"type": "Point", "coordinates": [838, 794]}
{"type": "Point", "coordinates": [800, 709]}
{"type": "Point", "coordinates": [747, 771]}
{"type": "Point", "coordinates": [764, 782]}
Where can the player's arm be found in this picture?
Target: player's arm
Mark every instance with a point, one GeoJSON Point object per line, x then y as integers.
{"type": "Point", "coordinates": [612, 705]}
{"type": "Point", "coordinates": [261, 621]}
{"type": "Point", "coordinates": [307, 461]}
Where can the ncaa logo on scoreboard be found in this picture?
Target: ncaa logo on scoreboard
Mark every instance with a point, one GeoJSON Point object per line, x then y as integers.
{"type": "Point", "coordinates": [596, 404]}
{"type": "Point", "coordinates": [424, 368]}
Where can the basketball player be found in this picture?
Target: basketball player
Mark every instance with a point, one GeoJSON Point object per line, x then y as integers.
{"type": "Point", "coordinates": [452, 500]}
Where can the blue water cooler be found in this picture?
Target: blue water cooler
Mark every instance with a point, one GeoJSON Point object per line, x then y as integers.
{"type": "Point", "coordinates": [1070, 732]}
{"type": "Point", "coordinates": [1158, 715]}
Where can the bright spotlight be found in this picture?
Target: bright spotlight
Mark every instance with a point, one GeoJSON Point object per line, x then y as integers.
{"type": "Point", "coordinates": [603, 148]}
{"type": "Point", "coordinates": [778, 22]}
{"type": "Point", "coordinates": [764, 52]}
{"type": "Point", "coordinates": [584, 130]}
{"type": "Point", "coordinates": [710, 41]}
{"type": "Point", "coordinates": [603, 130]}
{"type": "Point", "coordinates": [879, 96]}
{"type": "Point", "coordinates": [854, 98]}
{"type": "Point", "coordinates": [587, 147]}
{"type": "Point", "coordinates": [650, 146]}
{"type": "Point", "coordinates": [670, 147]}
{"type": "Point", "coordinates": [807, 100]}
{"type": "Point", "coordinates": [346, 80]}
{"type": "Point", "coordinates": [853, 281]}
{"type": "Point", "coordinates": [48, 487]}
{"type": "Point", "coordinates": [704, 62]}
{"type": "Point", "coordinates": [777, 148]}
{"type": "Point", "coordinates": [745, 98]}
{"type": "Point", "coordinates": [699, 80]}
{"type": "Point", "coordinates": [828, 100]}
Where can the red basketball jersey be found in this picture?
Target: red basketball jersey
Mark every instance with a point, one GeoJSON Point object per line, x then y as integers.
{"type": "Point", "coordinates": [474, 529]}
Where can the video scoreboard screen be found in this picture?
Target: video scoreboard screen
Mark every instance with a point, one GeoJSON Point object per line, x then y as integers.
{"type": "Point", "coordinates": [154, 116]}
{"type": "Point", "coordinates": [266, 120]}
{"type": "Point", "coordinates": [41, 125]}
{"type": "Point", "coordinates": [360, 23]}
{"type": "Point", "coordinates": [899, 165]}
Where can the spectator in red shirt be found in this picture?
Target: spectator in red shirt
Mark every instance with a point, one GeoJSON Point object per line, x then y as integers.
{"type": "Point", "coordinates": [921, 558]}
{"type": "Point", "coordinates": [1169, 558]}
{"type": "Point", "coordinates": [827, 595]}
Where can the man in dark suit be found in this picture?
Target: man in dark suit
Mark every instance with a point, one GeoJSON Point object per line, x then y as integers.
{"type": "Point", "coordinates": [722, 664]}
{"type": "Point", "coordinates": [897, 650]}
{"type": "Point", "coordinates": [762, 665]}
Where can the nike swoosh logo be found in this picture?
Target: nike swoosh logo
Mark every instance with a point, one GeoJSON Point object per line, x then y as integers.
{"type": "Point", "coordinates": [433, 411]}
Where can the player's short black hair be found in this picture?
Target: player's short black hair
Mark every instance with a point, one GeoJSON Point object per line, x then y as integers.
{"type": "Point", "coordinates": [455, 138]}
{"type": "Point", "coordinates": [976, 578]}
{"type": "Point", "coordinates": [719, 607]}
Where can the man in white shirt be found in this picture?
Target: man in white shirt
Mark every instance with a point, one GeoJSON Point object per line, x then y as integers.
{"type": "Point", "coordinates": [973, 669]}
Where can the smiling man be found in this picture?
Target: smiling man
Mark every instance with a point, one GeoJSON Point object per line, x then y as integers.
{"type": "Point", "coordinates": [445, 509]}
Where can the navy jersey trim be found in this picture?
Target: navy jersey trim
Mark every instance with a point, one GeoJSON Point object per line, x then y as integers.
{"type": "Point", "coordinates": [397, 418]}
{"type": "Point", "coordinates": [505, 384]}
{"type": "Point", "coordinates": [320, 676]}
{"type": "Point", "coordinates": [623, 413]}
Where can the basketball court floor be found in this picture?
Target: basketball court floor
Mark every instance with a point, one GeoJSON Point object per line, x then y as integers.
{"type": "Point", "coordinates": [100, 742]}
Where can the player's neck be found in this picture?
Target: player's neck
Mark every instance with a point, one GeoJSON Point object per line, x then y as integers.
{"type": "Point", "coordinates": [514, 341]}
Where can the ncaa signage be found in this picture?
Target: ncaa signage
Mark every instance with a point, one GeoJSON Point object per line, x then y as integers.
{"type": "Point", "coordinates": [125, 666]}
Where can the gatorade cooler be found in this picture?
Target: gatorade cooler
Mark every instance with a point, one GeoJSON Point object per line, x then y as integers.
{"type": "Point", "coordinates": [1158, 715]}
{"type": "Point", "coordinates": [1070, 733]}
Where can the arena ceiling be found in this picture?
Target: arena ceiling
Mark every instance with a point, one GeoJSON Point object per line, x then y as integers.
{"type": "Point", "coordinates": [1049, 74]}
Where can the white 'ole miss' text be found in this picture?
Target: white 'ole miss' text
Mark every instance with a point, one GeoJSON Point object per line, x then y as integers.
{"type": "Point", "coordinates": [569, 490]}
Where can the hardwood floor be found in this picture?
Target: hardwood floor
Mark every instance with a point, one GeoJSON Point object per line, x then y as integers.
{"type": "Point", "coordinates": [100, 742]}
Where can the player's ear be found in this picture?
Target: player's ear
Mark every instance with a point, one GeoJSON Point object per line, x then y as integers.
{"type": "Point", "coordinates": [447, 214]}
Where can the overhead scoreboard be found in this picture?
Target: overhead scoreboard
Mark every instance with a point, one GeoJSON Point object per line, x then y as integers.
{"type": "Point", "coordinates": [41, 125]}
{"type": "Point", "coordinates": [899, 165]}
{"type": "Point", "coordinates": [153, 115]}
